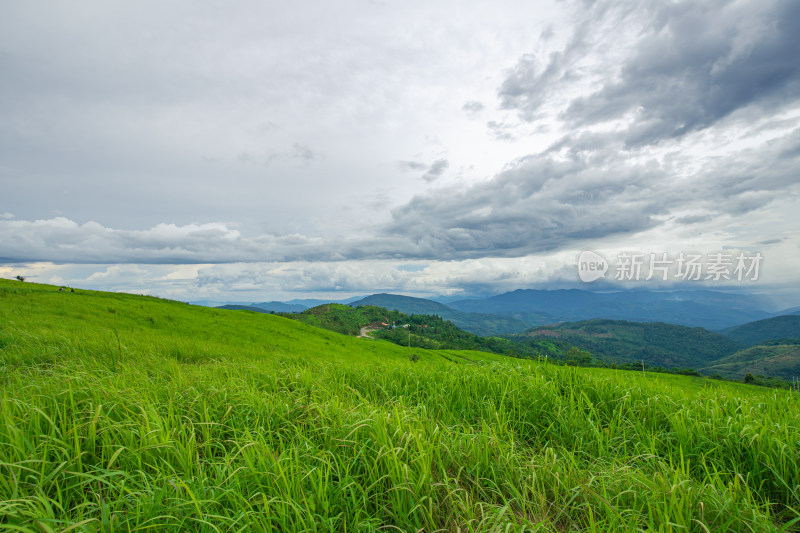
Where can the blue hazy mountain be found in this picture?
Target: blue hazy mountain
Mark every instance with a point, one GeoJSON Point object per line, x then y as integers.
{"type": "Point", "coordinates": [280, 307]}
{"type": "Point", "coordinates": [700, 308]}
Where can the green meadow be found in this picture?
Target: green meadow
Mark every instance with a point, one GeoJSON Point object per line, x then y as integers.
{"type": "Point", "coordinates": [131, 413]}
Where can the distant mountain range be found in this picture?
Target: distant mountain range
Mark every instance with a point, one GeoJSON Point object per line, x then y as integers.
{"type": "Point", "coordinates": [707, 309]}
{"type": "Point", "coordinates": [282, 307]}
{"type": "Point", "coordinates": [514, 312]}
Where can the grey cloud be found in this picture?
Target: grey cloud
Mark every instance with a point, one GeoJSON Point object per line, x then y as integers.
{"type": "Point", "coordinates": [545, 202]}
{"type": "Point", "coordinates": [411, 165]}
{"type": "Point", "coordinates": [246, 157]}
{"type": "Point", "coordinates": [526, 89]}
{"type": "Point", "coordinates": [689, 73]}
{"type": "Point", "coordinates": [63, 240]}
{"type": "Point", "coordinates": [432, 172]}
{"type": "Point", "coordinates": [436, 170]}
{"type": "Point", "coordinates": [298, 153]}
{"type": "Point", "coordinates": [303, 153]}
{"type": "Point", "coordinates": [500, 130]}
{"type": "Point", "coordinates": [473, 107]}
{"type": "Point", "coordinates": [533, 81]}
{"type": "Point", "coordinates": [693, 219]}
{"type": "Point", "coordinates": [575, 144]}
{"type": "Point", "coordinates": [334, 277]}
{"type": "Point", "coordinates": [540, 203]}
{"type": "Point", "coordinates": [694, 64]}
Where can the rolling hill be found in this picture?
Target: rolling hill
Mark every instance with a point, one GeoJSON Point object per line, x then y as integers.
{"type": "Point", "coordinates": [779, 327]}
{"type": "Point", "coordinates": [421, 330]}
{"type": "Point", "coordinates": [608, 341]}
{"type": "Point", "coordinates": [131, 413]}
{"type": "Point", "coordinates": [485, 324]}
{"type": "Point", "coordinates": [657, 343]}
{"type": "Point", "coordinates": [781, 361]}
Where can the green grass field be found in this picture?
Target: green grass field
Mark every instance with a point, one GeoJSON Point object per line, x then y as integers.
{"type": "Point", "coordinates": [129, 413]}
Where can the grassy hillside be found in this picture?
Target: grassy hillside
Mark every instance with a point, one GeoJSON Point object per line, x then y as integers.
{"type": "Point", "coordinates": [343, 318]}
{"type": "Point", "coordinates": [659, 344]}
{"type": "Point", "coordinates": [484, 324]}
{"type": "Point", "coordinates": [129, 413]}
{"type": "Point", "coordinates": [779, 327]}
{"type": "Point", "coordinates": [781, 360]}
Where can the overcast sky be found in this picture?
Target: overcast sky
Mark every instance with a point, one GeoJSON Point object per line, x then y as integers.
{"type": "Point", "coordinates": [275, 150]}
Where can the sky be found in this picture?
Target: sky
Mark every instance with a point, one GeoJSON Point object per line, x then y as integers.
{"type": "Point", "coordinates": [272, 150]}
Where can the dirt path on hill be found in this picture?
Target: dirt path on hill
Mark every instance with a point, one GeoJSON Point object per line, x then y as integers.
{"type": "Point", "coordinates": [364, 332]}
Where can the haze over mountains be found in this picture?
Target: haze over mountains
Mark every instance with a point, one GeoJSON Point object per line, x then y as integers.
{"type": "Point", "coordinates": [516, 311]}
{"type": "Point", "coordinates": [708, 309]}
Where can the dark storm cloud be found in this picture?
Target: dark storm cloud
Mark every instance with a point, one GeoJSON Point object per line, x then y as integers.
{"type": "Point", "coordinates": [694, 64]}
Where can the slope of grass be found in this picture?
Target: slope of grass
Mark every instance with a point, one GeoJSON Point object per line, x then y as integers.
{"type": "Point", "coordinates": [123, 413]}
